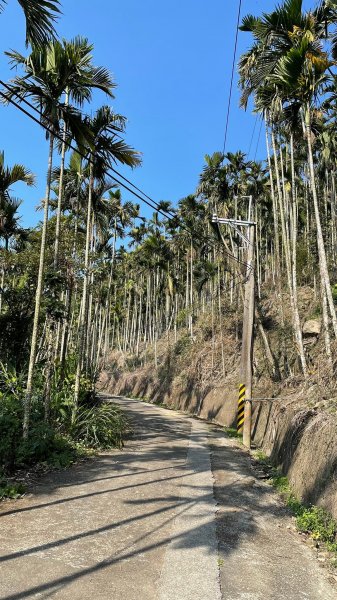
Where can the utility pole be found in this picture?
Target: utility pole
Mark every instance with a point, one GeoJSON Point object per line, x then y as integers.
{"type": "Point", "coordinates": [246, 369]}
{"type": "Point", "coordinates": [248, 336]}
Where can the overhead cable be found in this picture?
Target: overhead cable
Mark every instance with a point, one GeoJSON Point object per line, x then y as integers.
{"type": "Point", "coordinates": [232, 75]}
{"type": "Point", "coordinates": [143, 198]}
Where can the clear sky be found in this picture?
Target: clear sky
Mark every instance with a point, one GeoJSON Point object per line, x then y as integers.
{"type": "Point", "coordinates": [172, 62]}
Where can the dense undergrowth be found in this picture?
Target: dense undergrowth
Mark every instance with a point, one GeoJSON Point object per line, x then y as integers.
{"type": "Point", "coordinates": [70, 432]}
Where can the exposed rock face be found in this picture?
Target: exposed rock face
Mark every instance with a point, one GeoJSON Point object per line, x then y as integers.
{"type": "Point", "coordinates": [312, 328]}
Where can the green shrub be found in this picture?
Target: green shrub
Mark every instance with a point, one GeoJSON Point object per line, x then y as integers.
{"type": "Point", "coordinates": [11, 415]}
{"type": "Point", "coordinates": [37, 447]}
{"type": "Point", "coordinates": [71, 429]}
{"type": "Point", "coordinates": [182, 345]}
{"type": "Point", "coordinates": [182, 316]}
{"type": "Point", "coordinates": [102, 426]}
{"type": "Point", "coordinates": [64, 451]}
{"type": "Point", "coordinates": [10, 490]}
{"type": "Point", "coordinates": [132, 362]}
{"type": "Point", "coordinates": [43, 445]}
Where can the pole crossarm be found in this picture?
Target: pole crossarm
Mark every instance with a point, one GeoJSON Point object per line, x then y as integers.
{"type": "Point", "coordinates": [234, 224]}
{"type": "Point", "coordinates": [216, 219]}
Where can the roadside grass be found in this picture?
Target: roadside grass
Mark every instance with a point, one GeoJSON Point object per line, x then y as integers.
{"type": "Point", "coordinates": [231, 432]}
{"type": "Point", "coordinates": [312, 520]}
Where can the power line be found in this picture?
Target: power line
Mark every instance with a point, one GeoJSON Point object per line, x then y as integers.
{"type": "Point", "coordinates": [252, 137]}
{"type": "Point", "coordinates": [232, 75]}
{"type": "Point", "coordinates": [57, 136]}
{"type": "Point", "coordinates": [146, 199]}
{"type": "Point", "coordinates": [258, 140]}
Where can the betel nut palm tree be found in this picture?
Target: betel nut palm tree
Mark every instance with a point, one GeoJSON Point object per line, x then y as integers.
{"type": "Point", "coordinates": [107, 147]}
{"type": "Point", "coordinates": [40, 17]}
{"type": "Point", "coordinates": [46, 80]}
{"type": "Point", "coordinates": [83, 77]}
{"type": "Point", "coordinates": [9, 205]}
{"type": "Point", "coordinates": [67, 73]}
{"type": "Point", "coordinates": [11, 175]}
{"type": "Point", "coordinates": [288, 65]}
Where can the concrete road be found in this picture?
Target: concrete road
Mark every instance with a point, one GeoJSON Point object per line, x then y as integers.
{"type": "Point", "coordinates": [177, 514]}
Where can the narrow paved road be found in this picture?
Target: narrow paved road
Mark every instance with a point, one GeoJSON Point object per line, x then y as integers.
{"type": "Point", "coordinates": [176, 515]}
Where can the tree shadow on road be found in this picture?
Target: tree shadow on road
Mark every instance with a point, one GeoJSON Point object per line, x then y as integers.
{"type": "Point", "coordinates": [158, 440]}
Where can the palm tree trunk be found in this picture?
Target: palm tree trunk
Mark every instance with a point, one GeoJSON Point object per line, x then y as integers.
{"type": "Point", "coordinates": [84, 314]}
{"type": "Point", "coordinates": [66, 329]}
{"type": "Point", "coordinates": [48, 371]}
{"type": "Point", "coordinates": [297, 322]}
{"type": "Point", "coordinates": [191, 289]}
{"type": "Point", "coordinates": [290, 268]}
{"type": "Point", "coordinates": [323, 267]}
{"type": "Point", "coordinates": [38, 296]}
{"type": "Point", "coordinates": [2, 286]}
{"type": "Point", "coordinates": [333, 215]}
{"type": "Point", "coordinates": [326, 326]}
{"type": "Point", "coordinates": [60, 191]}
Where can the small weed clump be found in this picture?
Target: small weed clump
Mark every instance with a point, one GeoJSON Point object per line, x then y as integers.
{"type": "Point", "coordinates": [281, 484]}
{"type": "Point", "coordinates": [262, 458]}
{"type": "Point", "coordinates": [232, 433]}
{"type": "Point", "coordinates": [320, 524]}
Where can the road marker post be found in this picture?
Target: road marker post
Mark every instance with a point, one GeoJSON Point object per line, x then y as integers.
{"type": "Point", "coordinates": [241, 408]}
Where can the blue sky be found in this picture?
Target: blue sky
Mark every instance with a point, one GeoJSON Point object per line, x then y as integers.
{"type": "Point", "coordinates": [172, 62]}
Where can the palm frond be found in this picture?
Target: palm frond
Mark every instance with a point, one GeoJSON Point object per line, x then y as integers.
{"type": "Point", "coordinates": [249, 23]}
{"type": "Point", "coordinates": [40, 18]}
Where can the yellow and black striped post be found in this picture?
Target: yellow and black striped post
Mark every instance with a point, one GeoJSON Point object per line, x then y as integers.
{"type": "Point", "coordinates": [241, 408]}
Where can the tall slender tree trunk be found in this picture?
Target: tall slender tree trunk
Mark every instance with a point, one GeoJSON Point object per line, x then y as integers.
{"type": "Point", "coordinates": [38, 296]}
{"type": "Point", "coordinates": [60, 191]}
{"type": "Point", "coordinates": [326, 331]}
{"type": "Point", "coordinates": [66, 329]}
{"type": "Point", "coordinates": [2, 286]}
{"type": "Point", "coordinates": [297, 322]}
{"type": "Point", "coordinates": [191, 289]}
{"type": "Point", "coordinates": [84, 313]}
{"type": "Point", "coordinates": [333, 215]}
{"type": "Point", "coordinates": [290, 268]}
{"type": "Point", "coordinates": [323, 267]}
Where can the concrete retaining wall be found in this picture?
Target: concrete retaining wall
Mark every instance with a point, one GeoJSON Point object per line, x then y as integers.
{"type": "Point", "coordinates": [301, 441]}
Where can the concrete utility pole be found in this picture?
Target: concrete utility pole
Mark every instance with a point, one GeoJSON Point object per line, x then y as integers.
{"type": "Point", "coordinates": [246, 370]}
{"type": "Point", "coordinates": [248, 336]}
